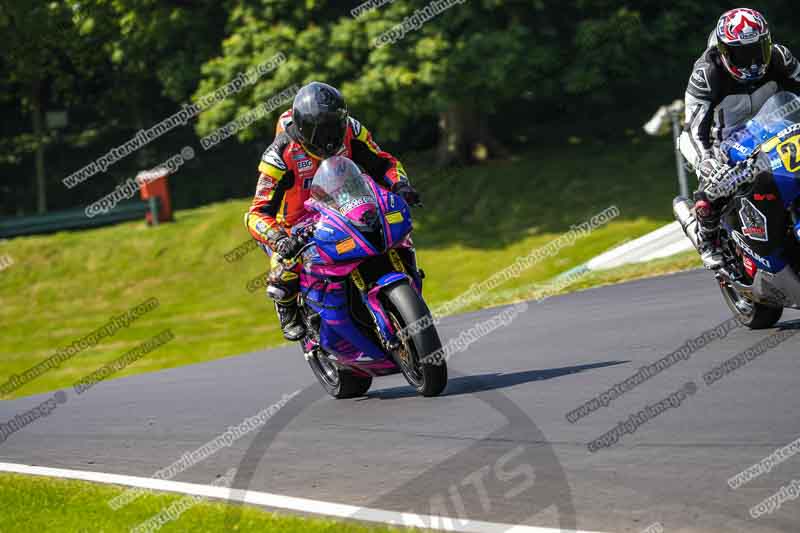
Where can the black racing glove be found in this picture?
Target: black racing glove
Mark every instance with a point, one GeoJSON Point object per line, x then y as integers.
{"type": "Point", "coordinates": [288, 247]}
{"type": "Point", "coordinates": [407, 192]}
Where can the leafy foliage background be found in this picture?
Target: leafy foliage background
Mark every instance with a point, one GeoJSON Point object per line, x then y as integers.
{"type": "Point", "coordinates": [518, 72]}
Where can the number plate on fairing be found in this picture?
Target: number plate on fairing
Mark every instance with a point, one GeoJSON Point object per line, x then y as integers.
{"type": "Point", "coordinates": [789, 151]}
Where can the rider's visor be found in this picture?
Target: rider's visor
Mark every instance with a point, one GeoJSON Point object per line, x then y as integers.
{"type": "Point", "coordinates": [327, 137]}
{"type": "Point", "coordinates": [746, 57]}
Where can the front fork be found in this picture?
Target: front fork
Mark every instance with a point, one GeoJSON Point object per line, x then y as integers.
{"type": "Point", "coordinates": [793, 212]}
{"type": "Point", "coordinates": [371, 299]}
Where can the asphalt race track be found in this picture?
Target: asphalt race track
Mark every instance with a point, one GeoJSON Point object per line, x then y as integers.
{"type": "Point", "coordinates": [497, 446]}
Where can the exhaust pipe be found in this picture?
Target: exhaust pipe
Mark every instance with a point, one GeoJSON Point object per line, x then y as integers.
{"type": "Point", "coordinates": [682, 209]}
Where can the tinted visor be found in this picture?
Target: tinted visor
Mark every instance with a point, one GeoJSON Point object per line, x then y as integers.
{"type": "Point", "coordinates": [327, 136]}
{"type": "Point", "coordinates": [744, 57]}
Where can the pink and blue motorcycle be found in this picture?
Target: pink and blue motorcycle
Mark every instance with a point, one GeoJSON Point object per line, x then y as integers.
{"type": "Point", "coordinates": [361, 291]}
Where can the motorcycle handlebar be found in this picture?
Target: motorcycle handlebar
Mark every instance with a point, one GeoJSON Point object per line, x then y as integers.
{"type": "Point", "coordinates": [289, 261]}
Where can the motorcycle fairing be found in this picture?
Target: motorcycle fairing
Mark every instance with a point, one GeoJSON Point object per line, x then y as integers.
{"type": "Point", "coordinates": [777, 135]}
{"type": "Point", "coordinates": [339, 250]}
{"type": "Point", "coordinates": [764, 201]}
{"type": "Point", "coordinates": [337, 242]}
{"type": "Point", "coordinates": [338, 333]}
{"type": "Point", "coordinates": [770, 263]}
{"type": "Point", "coordinates": [787, 181]}
{"type": "Point", "coordinates": [395, 215]}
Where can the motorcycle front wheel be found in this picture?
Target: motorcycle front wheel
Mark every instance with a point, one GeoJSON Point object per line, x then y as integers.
{"type": "Point", "coordinates": [428, 377]}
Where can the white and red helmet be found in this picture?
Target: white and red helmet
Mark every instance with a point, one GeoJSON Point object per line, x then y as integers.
{"type": "Point", "coordinates": [744, 43]}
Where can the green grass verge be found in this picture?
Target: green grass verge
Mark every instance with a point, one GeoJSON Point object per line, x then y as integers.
{"type": "Point", "coordinates": [38, 504]}
{"type": "Point", "coordinates": [476, 221]}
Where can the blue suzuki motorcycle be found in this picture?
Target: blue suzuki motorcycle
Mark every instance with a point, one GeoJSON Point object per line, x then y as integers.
{"type": "Point", "coordinates": [760, 232]}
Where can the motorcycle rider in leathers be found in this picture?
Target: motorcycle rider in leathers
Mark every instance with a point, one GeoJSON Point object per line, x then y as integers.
{"type": "Point", "coordinates": [317, 127]}
{"type": "Point", "coordinates": [739, 71]}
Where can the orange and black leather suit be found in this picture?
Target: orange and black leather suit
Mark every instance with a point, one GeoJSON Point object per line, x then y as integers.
{"type": "Point", "coordinates": [285, 174]}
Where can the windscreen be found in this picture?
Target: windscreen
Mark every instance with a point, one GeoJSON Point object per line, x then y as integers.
{"type": "Point", "coordinates": [339, 185]}
{"type": "Point", "coordinates": [779, 113]}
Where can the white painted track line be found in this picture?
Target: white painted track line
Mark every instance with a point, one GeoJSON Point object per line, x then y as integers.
{"type": "Point", "coordinates": [278, 501]}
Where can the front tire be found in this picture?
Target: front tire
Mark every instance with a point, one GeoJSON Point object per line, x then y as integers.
{"type": "Point", "coordinates": [338, 382]}
{"type": "Point", "coordinates": [407, 307]}
{"type": "Point", "coordinates": [751, 314]}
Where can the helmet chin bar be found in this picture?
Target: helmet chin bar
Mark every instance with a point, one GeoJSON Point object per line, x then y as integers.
{"type": "Point", "coordinates": [310, 151]}
{"type": "Point", "coordinates": [313, 153]}
{"type": "Point", "coordinates": [742, 75]}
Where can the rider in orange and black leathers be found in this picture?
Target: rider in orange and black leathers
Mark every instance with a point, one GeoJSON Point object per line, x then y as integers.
{"type": "Point", "coordinates": [317, 127]}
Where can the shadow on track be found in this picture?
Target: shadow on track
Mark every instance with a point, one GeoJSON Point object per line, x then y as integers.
{"type": "Point", "coordinates": [493, 381]}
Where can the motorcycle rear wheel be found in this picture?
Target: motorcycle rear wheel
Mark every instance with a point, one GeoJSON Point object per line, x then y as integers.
{"type": "Point", "coordinates": [751, 314]}
{"type": "Point", "coordinates": [338, 382]}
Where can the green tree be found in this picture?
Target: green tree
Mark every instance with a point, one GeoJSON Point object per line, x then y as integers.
{"type": "Point", "coordinates": [116, 65]}
{"type": "Point", "coordinates": [456, 68]}
{"type": "Point", "coordinates": [36, 64]}
{"type": "Point", "coordinates": [153, 48]}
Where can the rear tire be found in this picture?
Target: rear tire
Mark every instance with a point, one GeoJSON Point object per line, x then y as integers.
{"type": "Point", "coordinates": [338, 382]}
{"type": "Point", "coordinates": [751, 314]}
{"type": "Point", "coordinates": [407, 307]}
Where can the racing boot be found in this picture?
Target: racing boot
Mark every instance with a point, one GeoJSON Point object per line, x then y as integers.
{"type": "Point", "coordinates": [289, 316]}
{"type": "Point", "coordinates": [708, 235]}
{"type": "Point", "coordinates": [283, 286]}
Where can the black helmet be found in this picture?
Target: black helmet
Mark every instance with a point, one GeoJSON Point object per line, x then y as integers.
{"type": "Point", "coordinates": [319, 115]}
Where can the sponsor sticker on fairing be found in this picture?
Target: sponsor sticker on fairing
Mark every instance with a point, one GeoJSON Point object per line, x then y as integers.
{"type": "Point", "coordinates": [749, 251]}
{"type": "Point", "coordinates": [795, 128]}
{"type": "Point", "coordinates": [754, 222]}
{"type": "Point", "coordinates": [741, 149]}
{"type": "Point", "coordinates": [344, 246]}
{"type": "Point", "coordinates": [395, 217]}
{"type": "Point", "coordinates": [789, 151]}
{"type": "Point", "coordinates": [355, 202]}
